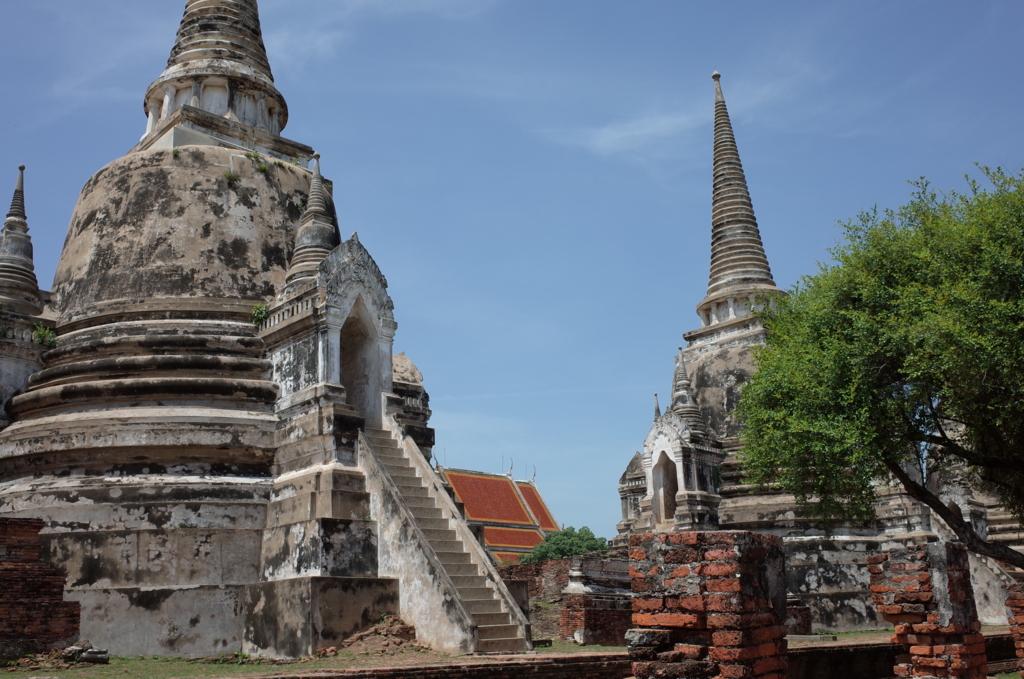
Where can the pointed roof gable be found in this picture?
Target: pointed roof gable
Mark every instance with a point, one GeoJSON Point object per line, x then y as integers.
{"type": "Point", "coordinates": [489, 497]}
{"type": "Point", "coordinates": [537, 505]}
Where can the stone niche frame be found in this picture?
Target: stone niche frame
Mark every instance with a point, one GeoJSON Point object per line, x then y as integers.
{"type": "Point", "coordinates": [356, 291]}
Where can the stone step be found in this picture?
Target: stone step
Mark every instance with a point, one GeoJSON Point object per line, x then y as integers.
{"type": "Point", "coordinates": [433, 524]}
{"type": "Point", "coordinates": [446, 545]}
{"type": "Point", "coordinates": [449, 558]}
{"type": "Point", "coordinates": [483, 606]}
{"type": "Point", "coordinates": [422, 513]}
{"type": "Point", "coordinates": [410, 491]}
{"type": "Point", "coordinates": [476, 593]}
{"type": "Point", "coordinates": [496, 631]}
{"type": "Point", "coordinates": [474, 581]}
{"type": "Point", "coordinates": [382, 442]}
{"type": "Point", "coordinates": [417, 501]}
{"type": "Point", "coordinates": [512, 645]}
{"type": "Point", "coordinates": [443, 535]}
{"type": "Point", "coordinates": [502, 618]}
{"type": "Point", "coordinates": [461, 569]}
{"type": "Point", "coordinates": [406, 474]}
{"type": "Point", "coordinates": [393, 460]}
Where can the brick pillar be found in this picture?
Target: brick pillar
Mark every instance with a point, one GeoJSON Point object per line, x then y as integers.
{"type": "Point", "coordinates": [33, 614]}
{"type": "Point", "coordinates": [708, 605]}
{"type": "Point", "coordinates": [925, 591]}
{"type": "Point", "coordinates": [1015, 609]}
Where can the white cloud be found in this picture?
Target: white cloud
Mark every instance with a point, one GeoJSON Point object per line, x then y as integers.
{"type": "Point", "coordinates": [297, 31]}
{"type": "Point", "coordinates": [635, 134]}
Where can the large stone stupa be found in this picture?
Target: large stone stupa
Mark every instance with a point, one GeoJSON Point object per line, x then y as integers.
{"type": "Point", "coordinates": [215, 440]}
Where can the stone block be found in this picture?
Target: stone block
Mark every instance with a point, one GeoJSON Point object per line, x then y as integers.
{"type": "Point", "coordinates": [298, 616]}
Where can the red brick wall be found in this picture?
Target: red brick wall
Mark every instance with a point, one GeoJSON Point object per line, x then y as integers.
{"type": "Point", "coordinates": [708, 604]}
{"type": "Point", "coordinates": [604, 619]}
{"type": "Point", "coordinates": [925, 591]}
{"type": "Point", "coordinates": [33, 613]}
{"type": "Point", "coordinates": [1015, 604]}
{"type": "Point", "coordinates": [547, 578]}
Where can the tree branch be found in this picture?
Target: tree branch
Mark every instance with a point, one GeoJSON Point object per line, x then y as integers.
{"type": "Point", "coordinates": [963, 529]}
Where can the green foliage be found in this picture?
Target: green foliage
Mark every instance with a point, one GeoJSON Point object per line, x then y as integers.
{"type": "Point", "coordinates": [231, 177]}
{"type": "Point", "coordinates": [262, 167]}
{"type": "Point", "coordinates": [566, 542]}
{"type": "Point", "coordinates": [175, 152]}
{"type": "Point", "coordinates": [45, 336]}
{"type": "Point", "coordinates": [329, 186]}
{"type": "Point", "coordinates": [906, 354]}
{"type": "Point", "coordinates": [252, 155]}
{"type": "Point", "coordinates": [260, 313]}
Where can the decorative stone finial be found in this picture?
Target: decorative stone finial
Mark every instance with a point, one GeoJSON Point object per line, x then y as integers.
{"type": "Point", "coordinates": [716, 75]}
{"type": "Point", "coordinates": [657, 407]}
{"type": "Point", "coordinates": [683, 403]}
{"type": "Point", "coordinates": [19, 289]}
{"type": "Point", "coordinates": [317, 235]}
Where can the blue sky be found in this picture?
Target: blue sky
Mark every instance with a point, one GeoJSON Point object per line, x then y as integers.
{"type": "Point", "coordinates": [534, 176]}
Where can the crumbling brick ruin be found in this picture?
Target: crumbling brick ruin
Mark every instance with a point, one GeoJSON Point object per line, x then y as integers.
{"type": "Point", "coordinates": [1015, 612]}
{"type": "Point", "coordinates": [33, 614]}
{"type": "Point", "coordinates": [925, 591]}
{"type": "Point", "coordinates": [708, 605]}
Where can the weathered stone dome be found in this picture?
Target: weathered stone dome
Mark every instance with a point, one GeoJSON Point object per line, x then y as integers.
{"type": "Point", "coordinates": [196, 231]}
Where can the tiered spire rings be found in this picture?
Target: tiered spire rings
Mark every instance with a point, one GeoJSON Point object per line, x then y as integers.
{"type": "Point", "coordinates": [219, 64]}
{"type": "Point", "coordinates": [19, 290]}
{"type": "Point", "coordinates": [739, 266]}
{"type": "Point", "coordinates": [316, 237]}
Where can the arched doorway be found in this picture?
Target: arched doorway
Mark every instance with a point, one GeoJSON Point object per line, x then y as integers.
{"type": "Point", "coordinates": [360, 365]}
{"type": "Point", "coordinates": [666, 485]}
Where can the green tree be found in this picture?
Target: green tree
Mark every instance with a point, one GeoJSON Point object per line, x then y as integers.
{"type": "Point", "coordinates": [900, 362]}
{"type": "Point", "coordinates": [566, 542]}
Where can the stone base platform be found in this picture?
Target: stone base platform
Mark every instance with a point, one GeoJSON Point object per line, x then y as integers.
{"type": "Point", "coordinates": [284, 618]}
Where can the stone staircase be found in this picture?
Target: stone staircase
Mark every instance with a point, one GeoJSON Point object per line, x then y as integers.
{"type": "Point", "coordinates": [496, 631]}
{"type": "Point", "coordinates": [1004, 529]}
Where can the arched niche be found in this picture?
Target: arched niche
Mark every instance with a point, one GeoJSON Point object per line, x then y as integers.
{"type": "Point", "coordinates": [360, 364]}
{"type": "Point", "coordinates": [666, 484]}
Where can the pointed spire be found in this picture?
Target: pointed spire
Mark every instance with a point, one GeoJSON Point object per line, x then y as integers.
{"type": "Point", "coordinates": [739, 266]}
{"type": "Point", "coordinates": [219, 47]}
{"type": "Point", "coordinates": [317, 235]}
{"type": "Point", "coordinates": [316, 205]}
{"type": "Point", "coordinates": [657, 407]}
{"type": "Point", "coordinates": [18, 201]}
{"type": "Point", "coordinates": [683, 403]}
{"type": "Point", "coordinates": [19, 289]}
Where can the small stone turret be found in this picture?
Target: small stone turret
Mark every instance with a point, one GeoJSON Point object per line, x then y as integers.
{"type": "Point", "coordinates": [683, 403]}
{"type": "Point", "coordinates": [19, 289]}
{"type": "Point", "coordinates": [317, 236]}
{"type": "Point", "coordinates": [219, 64]}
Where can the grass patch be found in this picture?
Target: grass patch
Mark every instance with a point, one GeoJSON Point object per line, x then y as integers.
{"type": "Point", "coordinates": [562, 646]}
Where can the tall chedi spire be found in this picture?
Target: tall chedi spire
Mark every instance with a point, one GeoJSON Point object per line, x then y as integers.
{"type": "Point", "coordinates": [19, 290]}
{"type": "Point", "coordinates": [316, 237]}
{"type": "Point", "coordinates": [739, 267]}
{"type": "Point", "coordinates": [219, 65]}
